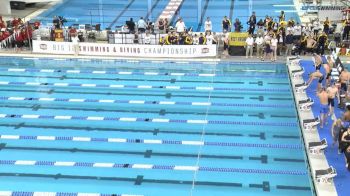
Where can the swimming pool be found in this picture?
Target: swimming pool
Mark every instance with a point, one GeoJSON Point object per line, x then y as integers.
{"type": "Point", "coordinates": [149, 128]}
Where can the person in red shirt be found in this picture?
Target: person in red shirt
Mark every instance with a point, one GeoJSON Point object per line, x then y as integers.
{"type": "Point", "coordinates": [36, 25]}
{"type": "Point", "coordinates": [14, 22]}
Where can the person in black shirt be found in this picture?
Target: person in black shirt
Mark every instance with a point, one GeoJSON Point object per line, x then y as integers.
{"type": "Point", "coordinates": [346, 30]}
{"type": "Point", "coordinates": [252, 23]}
{"type": "Point", "coordinates": [56, 22]}
{"type": "Point", "coordinates": [289, 43]}
{"type": "Point", "coordinates": [131, 25]}
{"type": "Point", "coordinates": [260, 23]}
{"type": "Point", "coordinates": [238, 25]}
{"type": "Point", "coordinates": [226, 24]}
{"type": "Point", "coordinates": [322, 39]}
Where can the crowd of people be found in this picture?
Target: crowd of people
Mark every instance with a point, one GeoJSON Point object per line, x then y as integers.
{"type": "Point", "coordinates": [333, 92]}
{"type": "Point", "coordinates": [286, 37]}
{"type": "Point", "coordinates": [270, 36]}
{"type": "Point", "coordinates": [15, 33]}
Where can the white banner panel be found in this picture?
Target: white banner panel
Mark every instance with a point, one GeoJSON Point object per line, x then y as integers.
{"type": "Point", "coordinates": [125, 50]}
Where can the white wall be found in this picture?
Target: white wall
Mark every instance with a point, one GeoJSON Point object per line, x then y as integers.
{"type": "Point", "coordinates": [5, 8]}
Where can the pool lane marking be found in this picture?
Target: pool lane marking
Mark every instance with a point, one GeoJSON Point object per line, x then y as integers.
{"type": "Point", "coordinates": [26, 193]}
{"type": "Point", "coordinates": [121, 86]}
{"type": "Point", "coordinates": [147, 141]}
{"type": "Point", "coordinates": [99, 72]}
{"type": "Point", "coordinates": [145, 102]}
{"type": "Point", "coordinates": [153, 120]}
{"type": "Point", "coordinates": [149, 167]}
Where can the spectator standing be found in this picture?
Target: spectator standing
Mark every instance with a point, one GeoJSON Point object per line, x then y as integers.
{"type": "Point", "coordinates": [252, 23]}
{"type": "Point", "coordinates": [282, 16]}
{"type": "Point", "coordinates": [249, 46]}
{"type": "Point", "coordinates": [131, 25]}
{"type": "Point", "coordinates": [147, 39]}
{"type": "Point", "coordinates": [202, 40]}
{"type": "Point", "coordinates": [166, 25]}
{"type": "Point", "coordinates": [215, 38]}
{"type": "Point", "coordinates": [161, 26]}
{"type": "Point", "coordinates": [141, 25]}
{"type": "Point", "coordinates": [274, 47]}
{"type": "Point", "coordinates": [208, 25]}
{"type": "Point", "coordinates": [316, 27]}
{"type": "Point", "coordinates": [226, 24]}
{"type": "Point", "coordinates": [326, 26]}
{"type": "Point", "coordinates": [259, 47]}
{"type": "Point", "coordinates": [188, 39]}
{"type": "Point", "coordinates": [195, 40]}
{"type": "Point", "coordinates": [260, 31]}
{"type": "Point", "coordinates": [275, 26]}
{"type": "Point", "coordinates": [321, 43]}
{"type": "Point", "coordinates": [225, 39]}
{"type": "Point", "coordinates": [136, 38]}
{"type": "Point", "coordinates": [346, 30]}
{"type": "Point", "coordinates": [180, 26]}
{"type": "Point", "coordinates": [209, 38]}
{"type": "Point", "coordinates": [56, 22]}
{"type": "Point", "coordinates": [260, 24]}
{"type": "Point", "coordinates": [75, 41]}
{"type": "Point", "coordinates": [267, 52]}
{"type": "Point", "coordinates": [238, 25]}
{"type": "Point", "coordinates": [289, 43]}
{"type": "Point", "coordinates": [297, 31]}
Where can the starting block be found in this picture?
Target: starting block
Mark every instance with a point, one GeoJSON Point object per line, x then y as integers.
{"type": "Point", "coordinates": [298, 73]}
{"type": "Point", "coordinates": [300, 88]}
{"type": "Point", "coordinates": [305, 105]}
{"type": "Point", "coordinates": [318, 147]}
{"type": "Point", "coordinates": [294, 62]}
{"type": "Point", "coordinates": [335, 74]}
{"type": "Point", "coordinates": [309, 124]}
{"type": "Point", "coordinates": [325, 175]}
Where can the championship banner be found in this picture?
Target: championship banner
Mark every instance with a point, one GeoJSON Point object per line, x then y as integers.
{"type": "Point", "coordinates": [126, 50]}
{"type": "Point", "coordinates": [237, 39]}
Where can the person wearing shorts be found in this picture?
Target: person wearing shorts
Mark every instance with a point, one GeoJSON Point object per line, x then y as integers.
{"type": "Point", "coordinates": [323, 96]}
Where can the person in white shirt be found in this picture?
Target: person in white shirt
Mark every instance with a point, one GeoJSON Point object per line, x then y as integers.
{"type": "Point", "coordinates": [274, 42]}
{"type": "Point", "coordinates": [259, 47]}
{"type": "Point", "coordinates": [297, 31]}
{"type": "Point", "coordinates": [195, 39]}
{"type": "Point", "coordinates": [147, 39]}
{"type": "Point", "coordinates": [209, 38]}
{"type": "Point", "coordinates": [316, 25]}
{"type": "Point", "coordinates": [180, 26]}
{"type": "Point", "coordinates": [249, 46]}
{"type": "Point", "coordinates": [207, 25]}
{"type": "Point", "coordinates": [141, 25]}
{"type": "Point", "coordinates": [75, 41]}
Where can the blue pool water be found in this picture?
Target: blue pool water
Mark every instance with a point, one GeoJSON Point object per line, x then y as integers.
{"type": "Point", "coordinates": [114, 13]}
{"type": "Point", "coordinates": [149, 128]}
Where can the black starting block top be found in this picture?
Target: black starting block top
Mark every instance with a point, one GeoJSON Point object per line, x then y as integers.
{"type": "Point", "coordinates": [320, 143]}
{"type": "Point", "coordinates": [324, 171]}
{"type": "Point", "coordinates": [299, 85]}
{"type": "Point", "coordinates": [305, 101]}
{"type": "Point", "coordinates": [310, 120]}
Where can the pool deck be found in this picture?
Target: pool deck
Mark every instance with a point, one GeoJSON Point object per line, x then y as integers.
{"type": "Point", "coordinates": [342, 180]}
